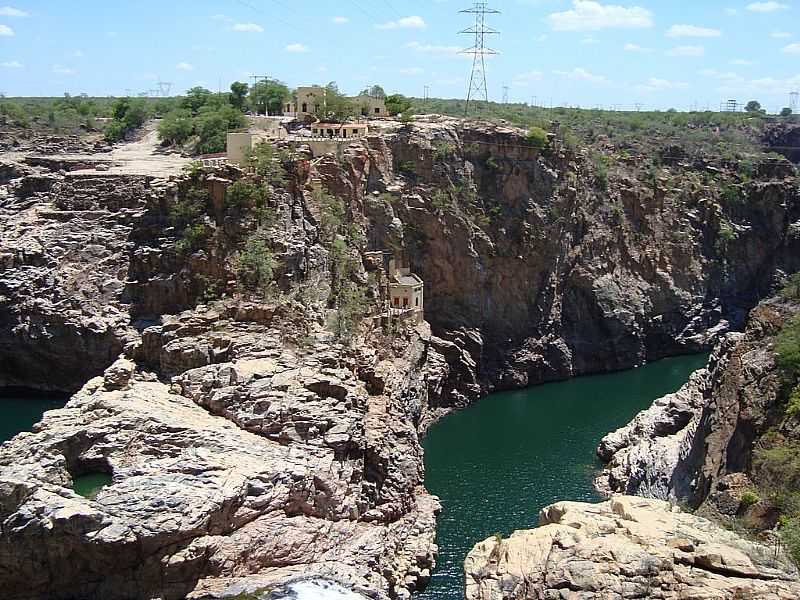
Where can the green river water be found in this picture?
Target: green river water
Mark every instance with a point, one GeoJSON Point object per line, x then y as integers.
{"type": "Point", "coordinates": [22, 409]}
{"type": "Point", "coordinates": [495, 464]}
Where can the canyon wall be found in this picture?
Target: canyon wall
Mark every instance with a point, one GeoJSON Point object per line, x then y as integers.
{"type": "Point", "coordinates": [248, 445]}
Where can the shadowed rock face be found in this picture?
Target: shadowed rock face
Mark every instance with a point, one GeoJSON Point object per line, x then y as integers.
{"type": "Point", "coordinates": [689, 444]}
{"type": "Point", "coordinates": [626, 548]}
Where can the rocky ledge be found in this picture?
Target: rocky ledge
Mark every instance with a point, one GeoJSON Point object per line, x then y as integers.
{"type": "Point", "coordinates": [626, 547]}
{"type": "Point", "coordinates": [687, 445]}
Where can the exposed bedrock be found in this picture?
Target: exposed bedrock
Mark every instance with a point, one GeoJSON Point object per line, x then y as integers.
{"type": "Point", "coordinates": [555, 275]}
{"type": "Point", "coordinates": [626, 547]}
{"type": "Point", "coordinates": [688, 444]}
{"type": "Point", "coordinates": [247, 447]}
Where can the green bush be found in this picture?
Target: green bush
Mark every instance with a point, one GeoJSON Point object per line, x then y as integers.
{"type": "Point", "coordinates": [442, 150]}
{"type": "Point", "coordinates": [787, 347]}
{"type": "Point", "coordinates": [192, 238]}
{"type": "Point", "coordinates": [537, 137]}
{"type": "Point", "coordinates": [408, 167]}
{"type": "Point", "coordinates": [776, 464]}
{"type": "Point", "coordinates": [332, 215]}
{"type": "Point", "coordinates": [600, 163]}
{"type": "Point", "coordinates": [267, 163]}
{"type": "Point", "coordinates": [176, 127]}
{"type": "Point", "coordinates": [793, 404]}
{"type": "Point", "coordinates": [255, 264]}
{"type": "Point", "coordinates": [791, 287]}
{"type": "Point", "coordinates": [440, 201]}
{"type": "Point", "coordinates": [790, 536]}
{"type": "Point", "coordinates": [750, 497]}
{"type": "Point", "coordinates": [243, 194]}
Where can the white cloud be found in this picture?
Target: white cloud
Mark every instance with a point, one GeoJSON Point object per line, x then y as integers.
{"type": "Point", "coordinates": [412, 71]}
{"type": "Point", "coordinates": [434, 49]}
{"type": "Point", "coordinates": [743, 62]}
{"type": "Point", "coordinates": [581, 74]}
{"type": "Point", "coordinates": [635, 48]}
{"type": "Point", "coordinates": [340, 20]}
{"type": "Point", "coordinates": [524, 79]}
{"type": "Point", "coordinates": [62, 70]}
{"type": "Point", "coordinates": [77, 54]}
{"type": "Point", "coordinates": [184, 66]}
{"type": "Point", "coordinates": [248, 27]}
{"type": "Point", "coordinates": [10, 11]}
{"type": "Point", "coordinates": [693, 51]}
{"type": "Point", "coordinates": [665, 84]}
{"type": "Point", "coordinates": [766, 7]}
{"type": "Point", "coordinates": [588, 15]}
{"type": "Point", "coordinates": [6, 31]}
{"type": "Point", "coordinates": [11, 64]}
{"type": "Point", "coordinates": [412, 22]}
{"type": "Point", "coordinates": [792, 48]}
{"type": "Point", "coordinates": [780, 35]}
{"type": "Point", "coordinates": [731, 12]}
{"type": "Point", "coordinates": [677, 31]}
{"type": "Point", "coordinates": [297, 48]}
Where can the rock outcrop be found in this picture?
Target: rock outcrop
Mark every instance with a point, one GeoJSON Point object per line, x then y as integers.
{"type": "Point", "coordinates": [686, 444]}
{"type": "Point", "coordinates": [626, 547]}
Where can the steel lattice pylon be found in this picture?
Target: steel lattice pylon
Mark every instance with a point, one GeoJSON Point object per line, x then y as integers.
{"type": "Point", "coordinates": [477, 80]}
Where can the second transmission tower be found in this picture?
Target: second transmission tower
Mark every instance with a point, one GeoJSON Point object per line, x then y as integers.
{"type": "Point", "coordinates": [477, 80]}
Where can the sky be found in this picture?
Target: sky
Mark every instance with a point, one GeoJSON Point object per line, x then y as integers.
{"type": "Point", "coordinates": [654, 54]}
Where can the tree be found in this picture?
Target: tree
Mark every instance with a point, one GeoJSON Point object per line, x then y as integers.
{"type": "Point", "coordinates": [537, 137]}
{"type": "Point", "coordinates": [196, 98]}
{"type": "Point", "coordinates": [375, 91]}
{"type": "Point", "coordinates": [176, 127]}
{"type": "Point", "coordinates": [268, 97]}
{"type": "Point", "coordinates": [397, 103]}
{"type": "Point", "coordinates": [754, 106]}
{"type": "Point", "coordinates": [213, 123]}
{"type": "Point", "coordinates": [255, 263]}
{"type": "Point", "coordinates": [786, 112]}
{"type": "Point", "coordinates": [337, 106]}
{"type": "Point", "coordinates": [238, 96]}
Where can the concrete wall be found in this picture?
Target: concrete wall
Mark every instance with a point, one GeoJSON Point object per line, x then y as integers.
{"type": "Point", "coordinates": [374, 107]}
{"type": "Point", "coordinates": [239, 144]}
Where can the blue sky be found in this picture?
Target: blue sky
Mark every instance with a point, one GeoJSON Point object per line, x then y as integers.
{"type": "Point", "coordinates": [660, 54]}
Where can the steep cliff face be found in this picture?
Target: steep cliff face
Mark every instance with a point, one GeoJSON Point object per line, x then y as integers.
{"type": "Point", "coordinates": [695, 444]}
{"type": "Point", "coordinates": [556, 271]}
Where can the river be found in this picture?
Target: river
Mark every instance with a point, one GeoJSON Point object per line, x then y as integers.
{"type": "Point", "coordinates": [22, 409]}
{"type": "Point", "coordinates": [495, 464]}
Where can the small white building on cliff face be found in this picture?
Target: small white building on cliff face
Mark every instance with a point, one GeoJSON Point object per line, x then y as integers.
{"type": "Point", "coordinates": [406, 290]}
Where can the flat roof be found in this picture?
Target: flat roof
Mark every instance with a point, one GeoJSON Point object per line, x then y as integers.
{"type": "Point", "coordinates": [408, 280]}
{"type": "Point", "coordinates": [334, 125]}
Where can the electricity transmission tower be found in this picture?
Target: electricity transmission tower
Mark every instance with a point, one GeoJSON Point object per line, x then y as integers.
{"type": "Point", "coordinates": [164, 87]}
{"type": "Point", "coordinates": [794, 101]}
{"type": "Point", "coordinates": [477, 80]}
{"type": "Point", "coordinates": [505, 94]}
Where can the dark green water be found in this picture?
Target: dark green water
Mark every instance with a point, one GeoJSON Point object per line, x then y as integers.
{"type": "Point", "coordinates": [497, 463]}
{"type": "Point", "coordinates": [88, 485]}
{"type": "Point", "coordinates": [21, 409]}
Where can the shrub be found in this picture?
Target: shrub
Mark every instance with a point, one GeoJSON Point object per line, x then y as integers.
{"type": "Point", "coordinates": [790, 536]}
{"type": "Point", "coordinates": [255, 263]}
{"type": "Point", "coordinates": [537, 137]}
{"type": "Point", "coordinates": [791, 288]}
{"type": "Point", "coordinates": [440, 201]}
{"type": "Point", "coordinates": [192, 238]}
{"type": "Point", "coordinates": [793, 405]}
{"type": "Point", "coordinates": [332, 215]}
{"type": "Point", "coordinates": [776, 463]}
{"type": "Point", "coordinates": [442, 150]}
{"type": "Point", "coordinates": [176, 127]}
{"type": "Point", "coordinates": [492, 164]}
{"type": "Point", "coordinates": [750, 497]}
{"type": "Point", "coordinates": [408, 167]}
{"type": "Point", "coordinates": [266, 163]}
{"type": "Point", "coordinates": [188, 208]}
{"type": "Point", "coordinates": [242, 194]}
{"type": "Point", "coordinates": [787, 347]}
{"type": "Point", "coordinates": [600, 163]}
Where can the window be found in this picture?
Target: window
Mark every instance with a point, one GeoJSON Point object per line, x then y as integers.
{"type": "Point", "coordinates": [305, 107]}
{"type": "Point", "coordinates": [396, 301]}
{"type": "Point", "coordinates": [355, 131]}
{"type": "Point", "coordinates": [377, 111]}
{"type": "Point", "coordinates": [405, 302]}
{"type": "Point", "coordinates": [417, 301]}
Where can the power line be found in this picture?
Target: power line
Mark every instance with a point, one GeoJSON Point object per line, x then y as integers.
{"type": "Point", "coordinates": [364, 10]}
{"type": "Point", "coordinates": [479, 51]}
{"type": "Point", "coordinates": [389, 4]}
